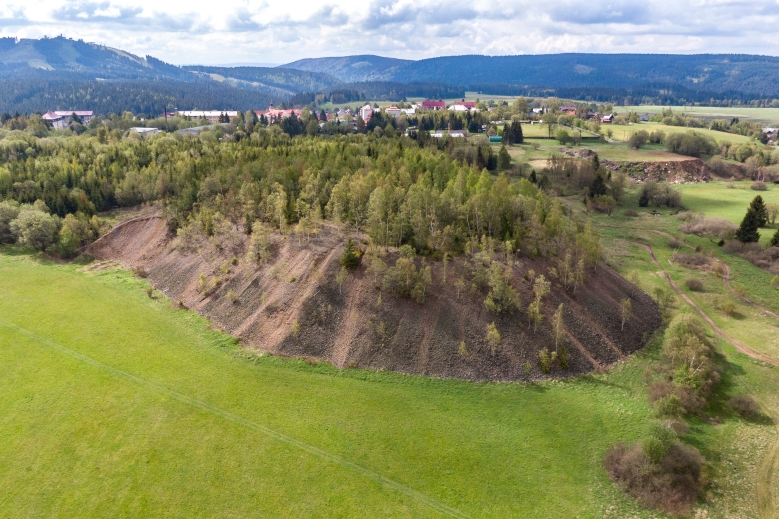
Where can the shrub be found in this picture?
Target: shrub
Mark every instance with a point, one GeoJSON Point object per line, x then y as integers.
{"type": "Point", "coordinates": [692, 260]}
{"type": "Point", "coordinates": [728, 308]}
{"type": "Point", "coordinates": [8, 212]}
{"type": "Point", "coordinates": [232, 297]}
{"type": "Point", "coordinates": [759, 186]}
{"type": "Point", "coordinates": [140, 272]}
{"type": "Point", "coordinates": [696, 285]}
{"type": "Point", "coordinates": [745, 406]}
{"type": "Point", "coordinates": [150, 292]}
{"type": "Point", "coordinates": [36, 229]}
{"type": "Point", "coordinates": [675, 244]}
{"type": "Point", "coordinates": [709, 226]}
{"type": "Point", "coordinates": [661, 475]}
{"type": "Point", "coordinates": [630, 212]}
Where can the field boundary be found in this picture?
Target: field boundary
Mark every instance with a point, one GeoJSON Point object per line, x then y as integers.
{"type": "Point", "coordinates": [425, 499]}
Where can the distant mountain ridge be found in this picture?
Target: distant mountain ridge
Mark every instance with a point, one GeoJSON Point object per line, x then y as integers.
{"type": "Point", "coordinates": [707, 72]}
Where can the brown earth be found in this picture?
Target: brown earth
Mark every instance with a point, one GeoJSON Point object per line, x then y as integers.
{"type": "Point", "coordinates": [672, 171]}
{"type": "Point", "coordinates": [293, 306]}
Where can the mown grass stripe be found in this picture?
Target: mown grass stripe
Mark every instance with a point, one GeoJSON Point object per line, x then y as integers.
{"type": "Point", "coordinates": [281, 437]}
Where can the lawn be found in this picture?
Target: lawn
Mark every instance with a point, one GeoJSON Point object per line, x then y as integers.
{"type": "Point", "coordinates": [115, 404]}
{"type": "Point", "coordinates": [623, 133]}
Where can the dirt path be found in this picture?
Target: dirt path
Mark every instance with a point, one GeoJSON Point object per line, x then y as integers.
{"type": "Point", "coordinates": [764, 486]}
{"type": "Point", "coordinates": [737, 344]}
{"type": "Point", "coordinates": [726, 278]}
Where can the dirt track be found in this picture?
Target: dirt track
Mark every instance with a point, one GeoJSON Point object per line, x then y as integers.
{"type": "Point", "coordinates": [737, 344]}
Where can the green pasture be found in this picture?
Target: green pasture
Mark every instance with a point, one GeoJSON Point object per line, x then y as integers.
{"type": "Point", "coordinates": [622, 133]}
{"type": "Point", "coordinates": [769, 116]}
{"type": "Point", "coordinates": [115, 404]}
{"type": "Point", "coordinates": [717, 199]}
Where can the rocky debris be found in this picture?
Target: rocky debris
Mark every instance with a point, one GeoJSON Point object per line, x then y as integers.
{"type": "Point", "coordinates": [672, 171]}
{"type": "Point", "coordinates": [292, 305]}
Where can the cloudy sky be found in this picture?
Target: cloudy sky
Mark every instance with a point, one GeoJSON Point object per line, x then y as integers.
{"type": "Point", "coordinates": [274, 31]}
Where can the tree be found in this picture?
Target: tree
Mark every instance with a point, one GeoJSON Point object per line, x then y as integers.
{"type": "Point", "coordinates": [258, 245]}
{"type": "Point", "coordinates": [775, 282]}
{"type": "Point", "coordinates": [562, 136]}
{"type": "Point", "coordinates": [534, 314]}
{"type": "Point", "coordinates": [775, 239]}
{"type": "Point", "coordinates": [504, 159]}
{"type": "Point", "coordinates": [36, 229]}
{"type": "Point", "coordinates": [340, 278]}
{"type": "Point", "coordinates": [493, 337]}
{"type": "Point", "coordinates": [351, 255]}
{"type": "Point", "coordinates": [747, 231]}
{"type": "Point", "coordinates": [627, 308]}
{"type": "Point", "coordinates": [502, 297]}
{"type": "Point", "coordinates": [597, 186]}
{"type": "Point", "coordinates": [759, 207]}
{"type": "Point", "coordinates": [558, 326]}
{"type": "Point", "coordinates": [773, 212]}
{"type": "Point", "coordinates": [8, 213]}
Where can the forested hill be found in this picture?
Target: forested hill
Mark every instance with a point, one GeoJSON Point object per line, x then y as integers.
{"type": "Point", "coordinates": [356, 69]}
{"type": "Point", "coordinates": [707, 72]}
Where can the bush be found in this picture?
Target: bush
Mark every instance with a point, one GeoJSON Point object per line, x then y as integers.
{"type": "Point", "coordinates": [759, 186]}
{"type": "Point", "coordinates": [140, 272]}
{"type": "Point", "coordinates": [630, 212]}
{"type": "Point", "coordinates": [728, 308]}
{"type": "Point", "coordinates": [36, 229]}
{"type": "Point", "coordinates": [8, 213]}
{"type": "Point", "coordinates": [696, 285]}
{"type": "Point", "coordinates": [710, 226]}
{"type": "Point", "coordinates": [692, 144]}
{"type": "Point", "coordinates": [661, 475]}
{"type": "Point", "coordinates": [745, 406]}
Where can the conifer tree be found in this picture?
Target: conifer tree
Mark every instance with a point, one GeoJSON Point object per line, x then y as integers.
{"type": "Point", "coordinates": [747, 231]}
{"type": "Point", "coordinates": [760, 209]}
{"type": "Point", "coordinates": [775, 239]}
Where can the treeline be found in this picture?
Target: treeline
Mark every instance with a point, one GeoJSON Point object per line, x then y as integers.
{"type": "Point", "coordinates": [650, 94]}
{"type": "Point", "coordinates": [377, 91]}
{"type": "Point", "coordinates": [434, 196]}
{"type": "Point", "coordinates": [138, 96]}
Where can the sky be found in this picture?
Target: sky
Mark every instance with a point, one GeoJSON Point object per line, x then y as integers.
{"type": "Point", "coordinates": [275, 32]}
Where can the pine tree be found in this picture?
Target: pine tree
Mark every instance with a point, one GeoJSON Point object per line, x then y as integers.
{"type": "Point", "coordinates": [533, 177]}
{"type": "Point", "coordinates": [504, 160]}
{"type": "Point", "coordinates": [758, 206]}
{"type": "Point", "coordinates": [775, 239]}
{"type": "Point", "coordinates": [597, 186]}
{"type": "Point", "coordinates": [747, 231]}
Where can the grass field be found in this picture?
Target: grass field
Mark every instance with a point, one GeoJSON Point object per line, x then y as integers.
{"type": "Point", "coordinates": [717, 199]}
{"type": "Point", "coordinates": [769, 116]}
{"type": "Point", "coordinates": [115, 404]}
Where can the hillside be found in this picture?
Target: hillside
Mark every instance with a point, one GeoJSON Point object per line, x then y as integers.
{"type": "Point", "coordinates": [704, 72]}
{"type": "Point", "coordinates": [277, 80]}
{"type": "Point", "coordinates": [293, 306]}
{"type": "Point", "coordinates": [356, 69]}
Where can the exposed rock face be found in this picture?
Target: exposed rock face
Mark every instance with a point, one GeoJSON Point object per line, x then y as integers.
{"type": "Point", "coordinates": [671, 171]}
{"type": "Point", "coordinates": [293, 306]}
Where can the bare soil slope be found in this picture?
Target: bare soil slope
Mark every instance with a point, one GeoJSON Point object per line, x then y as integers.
{"type": "Point", "coordinates": [293, 306]}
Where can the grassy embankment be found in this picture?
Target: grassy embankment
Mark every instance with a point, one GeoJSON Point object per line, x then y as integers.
{"type": "Point", "coordinates": [115, 404]}
{"type": "Point", "coordinates": [740, 454]}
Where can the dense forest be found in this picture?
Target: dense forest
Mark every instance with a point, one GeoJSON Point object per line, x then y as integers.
{"type": "Point", "coordinates": [705, 72]}
{"type": "Point", "coordinates": [137, 96]}
{"type": "Point", "coordinates": [434, 196]}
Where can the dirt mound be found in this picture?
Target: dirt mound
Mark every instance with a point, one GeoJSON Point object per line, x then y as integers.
{"type": "Point", "coordinates": [293, 306]}
{"type": "Point", "coordinates": [671, 171]}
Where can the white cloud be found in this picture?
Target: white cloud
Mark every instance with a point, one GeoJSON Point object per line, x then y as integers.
{"type": "Point", "coordinates": [197, 31]}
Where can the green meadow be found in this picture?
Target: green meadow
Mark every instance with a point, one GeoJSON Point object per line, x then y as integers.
{"type": "Point", "coordinates": [115, 404]}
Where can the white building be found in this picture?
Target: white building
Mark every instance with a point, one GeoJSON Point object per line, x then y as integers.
{"type": "Point", "coordinates": [366, 112]}
{"type": "Point", "coordinates": [145, 131]}
{"type": "Point", "coordinates": [60, 119]}
{"type": "Point", "coordinates": [394, 111]}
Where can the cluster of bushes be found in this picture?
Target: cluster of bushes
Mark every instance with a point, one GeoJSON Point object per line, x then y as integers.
{"type": "Point", "coordinates": [661, 471]}
{"type": "Point", "coordinates": [659, 195]}
{"type": "Point", "coordinates": [31, 225]}
{"type": "Point", "coordinates": [712, 226]}
{"type": "Point", "coordinates": [642, 137]}
{"type": "Point", "coordinates": [691, 144]}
